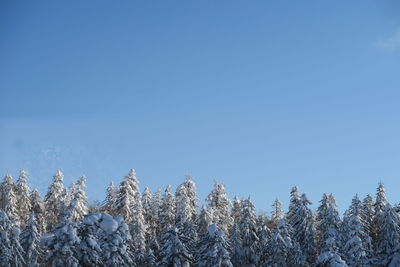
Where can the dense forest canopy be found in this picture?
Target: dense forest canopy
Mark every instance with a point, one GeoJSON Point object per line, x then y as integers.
{"type": "Point", "coordinates": [165, 228]}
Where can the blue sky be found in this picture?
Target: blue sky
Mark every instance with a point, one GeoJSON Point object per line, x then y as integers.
{"type": "Point", "coordinates": [259, 95]}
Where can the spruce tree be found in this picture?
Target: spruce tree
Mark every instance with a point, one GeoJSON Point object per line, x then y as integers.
{"type": "Point", "coordinates": [115, 240]}
{"type": "Point", "coordinates": [38, 207]}
{"type": "Point", "coordinates": [79, 202]}
{"type": "Point", "coordinates": [219, 201]}
{"type": "Point", "coordinates": [213, 249]}
{"type": "Point", "coordinates": [63, 244]}
{"type": "Point", "coordinates": [329, 234]}
{"type": "Point", "coordinates": [89, 252]}
{"type": "Point", "coordinates": [109, 201]}
{"type": "Point", "coordinates": [23, 201]}
{"type": "Point", "coordinates": [173, 251]}
{"type": "Point", "coordinates": [54, 204]}
{"type": "Point", "coordinates": [30, 242]}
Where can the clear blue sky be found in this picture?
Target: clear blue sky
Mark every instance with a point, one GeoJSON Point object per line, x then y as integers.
{"type": "Point", "coordinates": [259, 95]}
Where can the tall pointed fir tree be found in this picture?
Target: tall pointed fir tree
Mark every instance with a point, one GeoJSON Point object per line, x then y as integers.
{"type": "Point", "coordinates": [329, 235]}
{"type": "Point", "coordinates": [302, 223]}
{"type": "Point", "coordinates": [357, 248]}
{"type": "Point", "coordinates": [11, 253]}
{"type": "Point", "coordinates": [109, 201]}
{"type": "Point", "coordinates": [23, 200]}
{"type": "Point", "coordinates": [155, 213]}
{"type": "Point", "coordinates": [173, 251]}
{"type": "Point", "coordinates": [388, 236]}
{"type": "Point", "coordinates": [38, 207]}
{"type": "Point", "coordinates": [213, 249]}
{"type": "Point", "coordinates": [236, 209]}
{"type": "Point", "coordinates": [248, 235]}
{"type": "Point", "coordinates": [89, 252]}
{"type": "Point", "coordinates": [276, 213]}
{"type": "Point", "coordinates": [147, 205]}
{"type": "Point", "coordinates": [367, 214]}
{"type": "Point", "coordinates": [78, 203]}
{"type": "Point", "coordinates": [219, 201]}
{"type": "Point", "coordinates": [30, 242]}
{"type": "Point", "coordinates": [139, 232]}
{"type": "Point", "coordinates": [54, 204]}
{"type": "Point", "coordinates": [9, 200]}
{"type": "Point", "coordinates": [379, 207]}
{"type": "Point", "coordinates": [62, 246]}
{"type": "Point", "coordinates": [115, 240]}
{"type": "Point", "coordinates": [205, 219]}
{"type": "Point", "coordinates": [167, 210]}
{"type": "Point", "coordinates": [127, 196]}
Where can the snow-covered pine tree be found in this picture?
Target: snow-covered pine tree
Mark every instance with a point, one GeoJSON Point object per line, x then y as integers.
{"type": "Point", "coordinates": [358, 248]}
{"type": "Point", "coordinates": [167, 210]}
{"type": "Point", "coordinates": [30, 242]}
{"type": "Point", "coordinates": [89, 251]}
{"type": "Point", "coordinates": [186, 201]}
{"type": "Point", "coordinates": [249, 239]}
{"type": "Point", "coordinates": [23, 201]}
{"type": "Point", "coordinates": [264, 235]}
{"type": "Point", "coordinates": [147, 205]}
{"type": "Point", "coordinates": [38, 207]}
{"type": "Point", "coordinates": [17, 252]}
{"type": "Point", "coordinates": [173, 251]}
{"type": "Point", "coordinates": [379, 207]}
{"type": "Point", "coordinates": [236, 208]}
{"type": "Point", "coordinates": [109, 202]}
{"type": "Point", "coordinates": [9, 200]}
{"type": "Point", "coordinates": [294, 205]}
{"type": "Point", "coordinates": [303, 227]}
{"type": "Point", "coordinates": [213, 249]}
{"type": "Point", "coordinates": [63, 244]}
{"type": "Point", "coordinates": [155, 213]}
{"type": "Point", "coordinates": [388, 236]}
{"type": "Point", "coordinates": [367, 214]}
{"type": "Point", "coordinates": [11, 253]}
{"type": "Point", "coordinates": [205, 219]}
{"type": "Point", "coordinates": [138, 230]}
{"type": "Point", "coordinates": [78, 203]}
{"type": "Point", "coordinates": [329, 236]}
{"type": "Point", "coordinates": [54, 204]}
{"type": "Point", "coordinates": [276, 213]}
{"type": "Point", "coordinates": [219, 201]}
{"type": "Point", "coordinates": [6, 185]}
{"type": "Point", "coordinates": [235, 241]}
{"type": "Point", "coordinates": [115, 240]}
{"type": "Point", "coordinates": [280, 246]}
{"type": "Point", "coordinates": [330, 257]}
{"type": "Point", "coordinates": [127, 196]}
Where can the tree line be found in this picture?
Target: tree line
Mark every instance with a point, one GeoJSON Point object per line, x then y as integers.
{"type": "Point", "coordinates": [165, 228]}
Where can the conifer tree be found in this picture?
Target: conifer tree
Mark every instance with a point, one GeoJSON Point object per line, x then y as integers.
{"type": "Point", "coordinates": [38, 207]}
{"type": "Point", "coordinates": [379, 207]}
{"type": "Point", "coordinates": [78, 203]}
{"type": "Point", "coordinates": [213, 249]}
{"type": "Point", "coordinates": [54, 204]}
{"type": "Point", "coordinates": [219, 201]}
{"type": "Point", "coordinates": [9, 200]}
{"type": "Point", "coordinates": [139, 232]}
{"type": "Point", "coordinates": [109, 201]}
{"type": "Point", "coordinates": [329, 235]}
{"type": "Point", "coordinates": [30, 242]}
{"type": "Point", "coordinates": [63, 244]}
{"type": "Point", "coordinates": [115, 240]}
{"type": "Point", "coordinates": [23, 201]}
{"type": "Point", "coordinates": [11, 253]}
{"type": "Point", "coordinates": [186, 201]}
{"type": "Point", "coordinates": [236, 209]}
{"type": "Point", "coordinates": [89, 252]}
{"type": "Point", "coordinates": [167, 210]}
{"type": "Point", "coordinates": [388, 235]}
{"type": "Point", "coordinates": [248, 232]}
{"type": "Point", "coordinates": [173, 251]}
{"type": "Point", "coordinates": [277, 213]}
{"type": "Point", "coordinates": [205, 219]}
